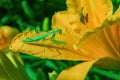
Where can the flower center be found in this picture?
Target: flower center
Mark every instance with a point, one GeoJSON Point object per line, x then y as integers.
{"type": "Point", "coordinates": [83, 17]}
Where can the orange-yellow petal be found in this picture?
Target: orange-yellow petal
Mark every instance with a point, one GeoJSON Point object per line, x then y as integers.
{"type": "Point", "coordinates": [6, 34]}
{"type": "Point", "coordinates": [77, 72]}
{"type": "Point", "coordinates": [69, 20]}
{"type": "Point", "coordinates": [48, 49]}
{"type": "Point", "coordinates": [103, 41]}
{"type": "Point", "coordinates": [97, 11]}
{"type": "Point", "coordinates": [80, 71]}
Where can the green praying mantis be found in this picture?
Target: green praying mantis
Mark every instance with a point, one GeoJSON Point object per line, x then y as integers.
{"type": "Point", "coordinates": [43, 37]}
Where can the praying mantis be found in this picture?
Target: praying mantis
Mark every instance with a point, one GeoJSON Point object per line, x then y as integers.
{"type": "Point", "coordinates": [43, 37]}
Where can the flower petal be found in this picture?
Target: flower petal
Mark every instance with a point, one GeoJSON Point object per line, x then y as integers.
{"type": "Point", "coordinates": [103, 41]}
{"type": "Point", "coordinates": [93, 7]}
{"type": "Point", "coordinates": [48, 49]}
{"type": "Point", "coordinates": [95, 10]}
{"type": "Point", "coordinates": [6, 34]}
{"type": "Point", "coordinates": [117, 14]}
{"type": "Point", "coordinates": [98, 11]}
{"type": "Point", "coordinates": [64, 20]}
{"type": "Point", "coordinates": [80, 71]}
{"type": "Point", "coordinates": [77, 72]}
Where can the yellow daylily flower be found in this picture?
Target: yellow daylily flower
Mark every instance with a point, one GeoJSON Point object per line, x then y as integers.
{"type": "Point", "coordinates": [6, 35]}
{"type": "Point", "coordinates": [92, 34]}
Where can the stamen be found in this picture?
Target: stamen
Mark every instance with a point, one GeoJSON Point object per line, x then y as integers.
{"type": "Point", "coordinates": [83, 18]}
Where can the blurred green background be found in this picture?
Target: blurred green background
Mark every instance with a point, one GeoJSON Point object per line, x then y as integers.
{"type": "Point", "coordinates": [25, 13]}
{"type": "Point", "coordinates": [32, 14]}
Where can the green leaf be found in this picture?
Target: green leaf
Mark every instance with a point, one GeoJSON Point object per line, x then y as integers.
{"type": "Point", "coordinates": [41, 75]}
{"type": "Point", "coordinates": [30, 72]}
{"type": "Point", "coordinates": [12, 72]}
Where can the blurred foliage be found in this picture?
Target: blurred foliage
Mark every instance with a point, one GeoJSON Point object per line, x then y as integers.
{"type": "Point", "coordinates": [49, 69]}
{"type": "Point", "coordinates": [12, 69]}
{"type": "Point", "coordinates": [25, 13]}
{"type": "Point", "coordinates": [36, 15]}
